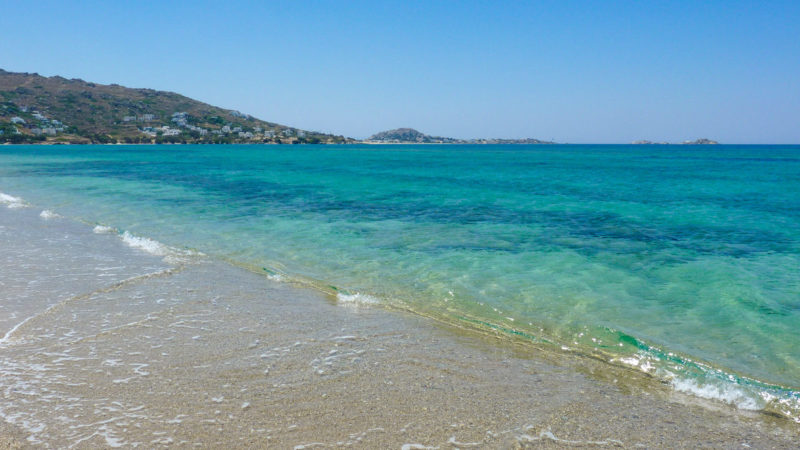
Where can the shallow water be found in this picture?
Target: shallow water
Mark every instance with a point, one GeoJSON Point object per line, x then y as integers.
{"type": "Point", "coordinates": [189, 351]}
{"type": "Point", "coordinates": [681, 261]}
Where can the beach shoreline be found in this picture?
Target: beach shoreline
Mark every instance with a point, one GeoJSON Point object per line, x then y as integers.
{"type": "Point", "coordinates": [127, 349]}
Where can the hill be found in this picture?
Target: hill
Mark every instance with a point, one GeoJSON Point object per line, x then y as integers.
{"type": "Point", "coordinates": [408, 135]}
{"type": "Point", "coordinates": [701, 141]}
{"type": "Point", "coordinates": [412, 136]}
{"type": "Point", "coordinates": [41, 109]}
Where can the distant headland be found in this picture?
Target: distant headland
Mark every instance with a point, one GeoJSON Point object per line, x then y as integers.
{"type": "Point", "coordinates": [412, 136]}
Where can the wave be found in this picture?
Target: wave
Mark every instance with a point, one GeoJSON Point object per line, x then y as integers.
{"type": "Point", "coordinates": [682, 374]}
{"type": "Point", "coordinates": [47, 215]}
{"type": "Point", "coordinates": [146, 244]}
{"type": "Point", "coordinates": [102, 229]}
{"type": "Point", "coordinates": [12, 202]}
{"type": "Point", "coordinates": [171, 255]}
{"type": "Point", "coordinates": [727, 393]}
{"type": "Point", "coordinates": [702, 380]}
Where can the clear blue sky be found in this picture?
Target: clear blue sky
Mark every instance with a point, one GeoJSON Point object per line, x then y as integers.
{"type": "Point", "coordinates": [594, 71]}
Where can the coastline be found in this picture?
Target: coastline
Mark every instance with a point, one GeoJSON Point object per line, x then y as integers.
{"type": "Point", "coordinates": [140, 350]}
{"type": "Point", "coordinates": [372, 143]}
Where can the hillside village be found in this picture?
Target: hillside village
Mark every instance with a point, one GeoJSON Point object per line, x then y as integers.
{"type": "Point", "coordinates": [37, 125]}
{"type": "Point", "coordinates": [184, 124]}
{"type": "Point", "coordinates": [37, 109]}
{"type": "Point", "coordinates": [19, 124]}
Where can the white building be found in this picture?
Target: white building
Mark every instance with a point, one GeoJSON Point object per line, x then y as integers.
{"type": "Point", "coordinates": [167, 131]}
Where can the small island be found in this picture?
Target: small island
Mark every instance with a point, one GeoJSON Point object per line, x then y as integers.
{"type": "Point", "coordinates": [701, 141]}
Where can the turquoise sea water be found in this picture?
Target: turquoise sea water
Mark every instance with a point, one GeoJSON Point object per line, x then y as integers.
{"type": "Point", "coordinates": [681, 261]}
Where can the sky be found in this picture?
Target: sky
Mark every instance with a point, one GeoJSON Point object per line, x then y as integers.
{"type": "Point", "coordinates": [570, 71]}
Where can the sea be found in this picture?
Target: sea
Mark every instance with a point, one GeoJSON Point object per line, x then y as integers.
{"type": "Point", "coordinates": [679, 261]}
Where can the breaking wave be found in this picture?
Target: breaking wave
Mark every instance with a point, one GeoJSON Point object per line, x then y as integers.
{"type": "Point", "coordinates": [47, 215]}
{"type": "Point", "coordinates": [12, 202]}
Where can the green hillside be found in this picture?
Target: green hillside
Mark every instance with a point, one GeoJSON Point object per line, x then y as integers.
{"type": "Point", "coordinates": [41, 109]}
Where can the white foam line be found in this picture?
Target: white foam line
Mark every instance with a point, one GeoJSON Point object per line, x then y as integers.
{"type": "Point", "coordinates": [114, 286]}
{"type": "Point", "coordinates": [12, 330]}
{"type": "Point", "coordinates": [547, 434]}
{"type": "Point", "coordinates": [171, 255]}
{"type": "Point", "coordinates": [145, 244]}
{"type": "Point", "coordinates": [356, 299]}
{"type": "Point", "coordinates": [452, 441]}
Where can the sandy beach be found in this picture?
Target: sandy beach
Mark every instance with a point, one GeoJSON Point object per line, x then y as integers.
{"type": "Point", "coordinates": [106, 345]}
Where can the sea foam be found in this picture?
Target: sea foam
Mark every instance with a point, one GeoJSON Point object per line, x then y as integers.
{"type": "Point", "coordinates": [356, 299]}
{"type": "Point", "coordinates": [171, 255]}
{"type": "Point", "coordinates": [145, 244]}
{"type": "Point", "coordinates": [704, 382]}
{"type": "Point", "coordinates": [47, 215]}
{"type": "Point", "coordinates": [102, 229]}
{"type": "Point", "coordinates": [12, 202]}
{"type": "Point", "coordinates": [726, 392]}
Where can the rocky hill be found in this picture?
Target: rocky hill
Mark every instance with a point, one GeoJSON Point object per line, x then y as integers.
{"type": "Point", "coordinates": [702, 141]}
{"type": "Point", "coordinates": [408, 135]}
{"type": "Point", "coordinates": [41, 109]}
{"type": "Point", "coordinates": [412, 136]}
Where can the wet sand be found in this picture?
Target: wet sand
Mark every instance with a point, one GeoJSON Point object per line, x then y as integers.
{"type": "Point", "coordinates": [105, 345]}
